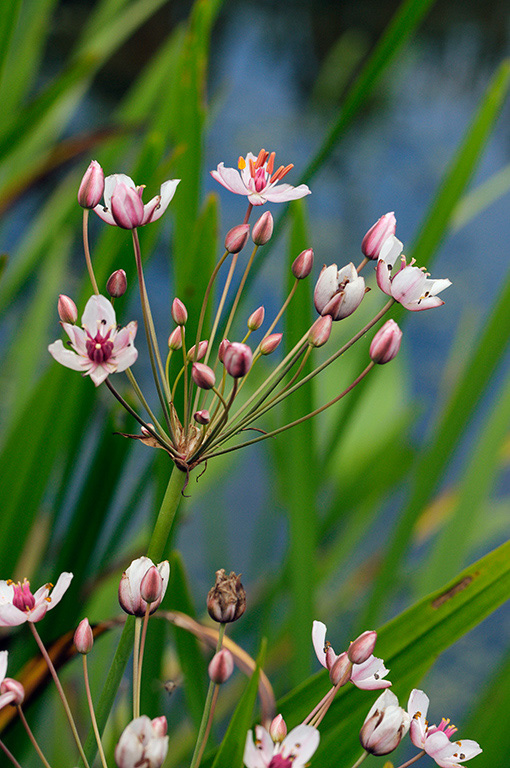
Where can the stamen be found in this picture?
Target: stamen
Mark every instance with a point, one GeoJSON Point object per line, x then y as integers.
{"type": "Point", "coordinates": [276, 175]}
{"type": "Point", "coordinates": [286, 170]}
{"type": "Point", "coordinates": [252, 168]}
{"type": "Point", "coordinates": [270, 163]}
{"type": "Point", "coordinates": [241, 163]}
{"type": "Point", "coordinates": [261, 159]}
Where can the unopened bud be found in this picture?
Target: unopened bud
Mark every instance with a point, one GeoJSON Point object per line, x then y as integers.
{"type": "Point", "coordinates": [83, 637]}
{"type": "Point", "coordinates": [179, 312]}
{"type": "Point", "coordinates": [278, 729]}
{"type": "Point", "coordinates": [269, 343]}
{"type": "Point", "coordinates": [340, 672]}
{"type": "Point", "coordinates": [203, 376]}
{"type": "Point", "coordinates": [92, 186]}
{"type": "Point", "coordinates": [130, 593]}
{"type": "Point", "coordinates": [363, 647]}
{"type": "Point", "coordinates": [377, 234]}
{"type": "Point", "coordinates": [386, 343]}
{"type": "Point", "coordinates": [237, 359]}
{"type": "Point", "coordinates": [202, 417]}
{"type": "Point", "coordinates": [15, 691]}
{"type": "Point", "coordinates": [263, 229]}
{"type": "Point", "coordinates": [159, 726]}
{"type": "Point", "coordinates": [202, 349]}
{"type": "Point", "coordinates": [320, 331]}
{"type": "Point", "coordinates": [221, 666]}
{"type": "Point", "coordinates": [256, 319]}
{"type": "Point", "coordinates": [226, 601]}
{"type": "Point", "coordinates": [236, 238]}
{"type": "Point", "coordinates": [222, 349]}
{"type": "Point", "coordinates": [175, 339]}
{"type": "Point", "coordinates": [151, 585]}
{"type": "Point", "coordinates": [384, 726]}
{"type": "Point", "coordinates": [117, 284]}
{"type": "Point", "coordinates": [67, 310]}
{"type": "Point", "coordinates": [303, 264]}
{"type": "Point", "coordinates": [126, 207]}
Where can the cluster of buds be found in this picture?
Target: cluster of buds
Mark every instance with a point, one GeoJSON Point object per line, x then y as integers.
{"type": "Point", "coordinates": [357, 664]}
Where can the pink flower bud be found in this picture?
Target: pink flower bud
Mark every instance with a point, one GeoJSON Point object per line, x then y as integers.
{"type": "Point", "coordinates": [159, 726]}
{"type": "Point", "coordinates": [179, 312]}
{"type": "Point", "coordinates": [384, 726]}
{"type": "Point", "coordinates": [256, 319]}
{"type": "Point", "coordinates": [203, 376]}
{"type": "Point", "coordinates": [14, 689]}
{"type": "Point", "coordinates": [263, 229]}
{"type": "Point", "coordinates": [83, 637]}
{"type": "Point", "coordinates": [236, 238]}
{"type": "Point", "coordinates": [377, 234]}
{"type": "Point", "coordinates": [67, 310]}
{"type": "Point", "coordinates": [222, 349]}
{"type": "Point", "coordinates": [151, 585]}
{"type": "Point", "coordinates": [221, 666]}
{"type": "Point", "coordinates": [126, 207]}
{"type": "Point", "coordinates": [237, 359]}
{"type": "Point", "coordinates": [130, 596]}
{"type": "Point", "coordinates": [202, 417]}
{"type": "Point", "coordinates": [202, 349]}
{"type": "Point", "coordinates": [340, 671]}
{"type": "Point", "coordinates": [175, 339]}
{"type": "Point", "coordinates": [117, 284]}
{"type": "Point", "coordinates": [269, 343]}
{"type": "Point", "coordinates": [320, 331]}
{"type": "Point", "coordinates": [92, 186]}
{"type": "Point", "coordinates": [226, 601]}
{"type": "Point", "coordinates": [278, 729]}
{"type": "Point", "coordinates": [363, 647]}
{"type": "Point", "coordinates": [303, 264]}
{"type": "Point", "coordinates": [386, 343]}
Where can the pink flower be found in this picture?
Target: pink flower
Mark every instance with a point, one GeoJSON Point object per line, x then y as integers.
{"type": "Point", "coordinates": [294, 751]}
{"type": "Point", "coordinates": [338, 292]}
{"type": "Point", "coordinates": [130, 587]}
{"type": "Point", "coordinates": [99, 347]}
{"type": "Point", "coordinates": [143, 743]}
{"type": "Point", "coordinates": [123, 206]}
{"type": "Point", "coordinates": [257, 179]}
{"type": "Point", "coordinates": [377, 234]}
{"type": "Point", "coordinates": [384, 726]}
{"type": "Point", "coordinates": [410, 285]}
{"type": "Point", "coordinates": [18, 604]}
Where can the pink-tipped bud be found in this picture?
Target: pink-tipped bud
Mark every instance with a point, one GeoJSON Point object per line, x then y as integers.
{"type": "Point", "coordinates": [269, 343]}
{"type": "Point", "coordinates": [256, 319]}
{"type": "Point", "coordinates": [222, 349]}
{"type": "Point", "coordinates": [83, 637]}
{"type": "Point", "coordinates": [363, 647]}
{"type": "Point", "coordinates": [377, 234]}
{"type": "Point", "coordinates": [384, 726]}
{"type": "Point", "coordinates": [175, 339]}
{"type": "Point", "coordinates": [202, 349]}
{"type": "Point", "coordinates": [159, 726]}
{"type": "Point", "coordinates": [126, 207]}
{"type": "Point", "coordinates": [202, 417]}
{"type": "Point", "coordinates": [151, 585]}
{"type": "Point", "coordinates": [320, 331]}
{"type": "Point", "coordinates": [117, 284]}
{"type": "Point", "coordinates": [303, 264]}
{"type": "Point", "coordinates": [386, 343]}
{"type": "Point", "coordinates": [15, 690]}
{"type": "Point", "coordinates": [67, 310]}
{"type": "Point", "coordinates": [92, 186]}
{"type": "Point", "coordinates": [263, 229]}
{"type": "Point", "coordinates": [221, 666]}
{"type": "Point", "coordinates": [226, 601]}
{"type": "Point", "coordinates": [179, 312]}
{"type": "Point", "coordinates": [278, 729]}
{"type": "Point", "coordinates": [203, 376]}
{"type": "Point", "coordinates": [236, 238]}
{"type": "Point", "coordinates": [340, 671]}
{"type": "Point", "coordinates": [237, 359]}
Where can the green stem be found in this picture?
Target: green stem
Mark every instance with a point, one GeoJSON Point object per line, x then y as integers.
{"type": "Point", "coordinates": [9, 755]}
{"type": "Point", "coordinates": [412, 760]}
{"type": "Point", "coordinates": [360, 759]}
{"type": "Point", "coordinates": [203, 731]}
{"type": "Point", "coordinates": [136, 667]}
{"type": "Point", "coordinates": [32, 737]}
{"type": "Point", "coordinates": [91, 710]}
{"type": "Point", "coordinates": [87, 251]}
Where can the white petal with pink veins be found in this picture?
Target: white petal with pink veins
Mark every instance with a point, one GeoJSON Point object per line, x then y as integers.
{"type": "Point", "coordinates": [98, 315]}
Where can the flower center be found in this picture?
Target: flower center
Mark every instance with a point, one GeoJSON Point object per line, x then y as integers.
{"type": "Point", "coordinates": [23, 598]}
{"type": "Point", "coordinates": [279, 761]}
{"type": "Point", "coordinates": [99, 348]}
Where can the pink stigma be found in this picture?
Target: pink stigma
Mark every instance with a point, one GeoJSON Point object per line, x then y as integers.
{"type": "Point", "coordinates": [23, 599]}
{"type": "Point", "coordinates": [260, 179]}
{"type": "Point", "coordinates": [279, 761]}
{"type": "Point", "coordinates": [99, 348]}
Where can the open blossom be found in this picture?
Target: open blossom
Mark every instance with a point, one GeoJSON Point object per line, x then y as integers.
{"type": "Point", "coordinates": [18, 604]}
{"type": "Point", "coordinates": [100, 347]}
{"type": "Point", "coordinates": [338, 292]}
{"type": "Point", "coordinates": [294, 751]}
{"type": "Point", "coordinates": [123, 206]}
{"type": "Point", "coordinates": [143, 743]}
{"type": "Point", "coordinates": [411, 286]}
{"type": "Point", "coordinates": [257, 179]}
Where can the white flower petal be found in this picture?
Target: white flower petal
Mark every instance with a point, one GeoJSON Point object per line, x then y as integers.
{"type": "Point", "coordinates": [60, 588]}
{"type": "Point", "coordinates": [319, 639]}
{"type": "Point", "coordinates": [98, 315]}
{"type": "Point", "coordinates": [111, 182]}
{"type": "Point", "coordinates": [282, 193]}
{"type": "Point", "coordinates": [67, 357]}
{"type": "Point", "coordinates": [3, 664]}
{"type": "Point", "coordinates": [301, 742]}
{"type": "Point", "coordinates": [10, 616]}
{"type": "Point", "coordinates": [230, 179]}
{"type": "Point", "coordinates": [6, 592]}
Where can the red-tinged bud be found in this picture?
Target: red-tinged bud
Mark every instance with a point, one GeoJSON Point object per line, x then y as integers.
{"type": "Point", "coordinates": [377, 234]}
{"type": "Point", "coordinates": [159, 726]}
{"type": "Point", "coordinates": [151, 585]}
{"type": "Point", "coordinates": [226, 601]}
{"type": "Point", "coordinates": [126, 207]}
{"type": "Point", "coordinates": [202, 417]}
{"type": "Point", "coordinates": [363, 647]}
{"type": "Point", "coordinates": [263, 229]}
{"type": "Point", "coordinates": [92, 186]}
{"type": "Point", "coordinates": [83, 637]}
{"type": "Point", "coordinates": [203, 376]}
{"type": "Point", "coordinates": [386, 343]}
{"type": "Point", "coordinates": [179, 312]}
{"type": "Point", "coordinates": [278, 729]}
{"type": "Point", "coordinates": [236, 238]}
{"type": "Point", "coordinates": [67, 310]}
{"type": "Point", "coordinates": [269, 343]}
{"type": "Point", "coordinates": [256, 319]}
{"type": "Point", "coordinates": [175, 339]}
{"type": "Point", "coordinates": [237, 359]}
{"type": "Point", "coordinates": [320, 331]}
{"type": "Point", "coordinates": [202, 349]}
{"type": "Point", "coordinates": [303, 264]}
{"type": "Point", "coordinates": [384, 726]}
{"type": "Point", "coordinates": [15, 691]}
{"type": "Point", "coordinates": [130, 596]}
{"type": "Point", "coordinates": [117, 284]}
{"type": "Point", "coordinates": [340, 672]}
{"type": "Point", "coordinates": [221, 666]}
{"type": "Point", "coordinates": [222, 349]}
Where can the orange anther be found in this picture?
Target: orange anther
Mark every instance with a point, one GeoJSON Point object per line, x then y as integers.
{"type": "Point", "coordinates": [276, 175]}
{"type": "Point", "coordinates": [286, 170]}
{"type": "Point", "coordinates": [270, 163]}
{"type": "Point", "coordinates": [252, 168]}
{"type": "Point", "coordinates": [241, 163]}
{"type": "Point", "coordinates": [261, 159]}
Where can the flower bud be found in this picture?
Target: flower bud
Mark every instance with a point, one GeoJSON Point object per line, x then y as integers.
{"type": "Point", "coordinates": [126, 207]}
{"type": "Point", "coordinates": [13, 691]}
{"type": "Point", "coordinates": [130, 596]}
{"type": "Point", "coordinates": [117, 284]}
{"type": "Point", "coordinates": [202, 417]}
{"type": "Point", "coordinates": [386, 343]}
{"type": "Point", "coordinates": [278, 729]}
{"type": "Point", "coordinates": [151, 585]}
{"type": "Point", "coordinates": [226, 601]}
{"type": "Point", "coordinates": [203, 376]}
{"type": "Point", "coordinates": [142, 744]}
{"type": "Point", "coordinates": [236, 238]}
{"type": "Point", "coordinates": [256, 319]}
{"type": "Point", "coordinates": [175, 339]}
{"type": "Point", "coordinates": [269, 343]}
{"type": "Point", "coordinates": [159, 726]}
{"type": "Point", "coordinates": [303, 264]}
{"type": "Point", "coordinates": [83, 637]}
{"type": "Point", "coordinates": [320, 331]}
{"type": "Point", "coordinates": [222, 349]}
{"type": "Point", "coordinates": [363, 647]}
{"type": "Point", "coordinates": [340, 670]}
{"type": "Point", "coordinates": [202, 349]}
{"type": "Point", "coordinates": [237, 359]}
{"type": "Point", "coordinates": [377, 234]}
{"type": "Point", "coordinates": [221, 666]}
{"type": "Point", "coordinates": [92, 186]}
{"type": "Point", "coordinates": [263, 229]}
{"type": "Point", "coordinates": [67, 310]}
{"type": "Point", "coordinates": [179, 312]}
{"type": "Point", "coordinates": [384, 726]}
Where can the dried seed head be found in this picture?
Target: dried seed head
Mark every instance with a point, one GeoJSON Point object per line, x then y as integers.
{"type": "Point", "coordinates": [226, 601]}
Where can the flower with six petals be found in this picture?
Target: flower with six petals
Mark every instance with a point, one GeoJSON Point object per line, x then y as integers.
{"type": "Point", "coordinates": [18, 604]}
{"type": "Point", "coordinates": [123, 206]}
